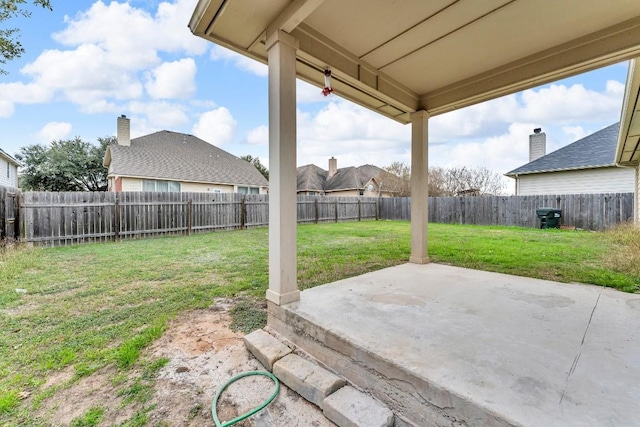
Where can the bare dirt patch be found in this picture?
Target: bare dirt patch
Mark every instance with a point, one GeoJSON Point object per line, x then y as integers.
{"type": "Point", "coordinates": [204, 354]}
{"type": "Point", "coordinates": [92, 391]}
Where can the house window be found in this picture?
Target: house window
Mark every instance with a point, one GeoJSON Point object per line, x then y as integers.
{"type": "Point", "coordinates": [8, 171]}
{"type": "Point", "coordinates": [160, 186]}
{"type": "Point", "coordinates": [248, 190]}
{"type": "Point", "coordinates": [311, 193]}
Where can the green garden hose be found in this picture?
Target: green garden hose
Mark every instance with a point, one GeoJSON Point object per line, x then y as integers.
{"type": "Point", "coordinates": [214, 405]}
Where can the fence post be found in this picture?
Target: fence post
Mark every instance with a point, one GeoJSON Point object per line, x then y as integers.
{"type": "Point", "coordinates": [23, 219]}
{"type": "Point", "coordinates": [377, 208]}
{"type": "Point", "coordinates": [359, 210]}
{"type": "Point", "coordinates": [116, 219]}
{"type": "Point", "coordinates": [16, 216]}
{"type": "Point", "coordinates": [317, 213]}
{"type": "Point", "coordinates": [189, 216]}
{"type": "Point", "coordinates": [336, 208]}
{"type": "Point", "coordinates": [243, 211]}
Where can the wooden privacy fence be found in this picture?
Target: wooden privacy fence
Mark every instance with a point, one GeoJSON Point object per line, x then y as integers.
{"type": "Point", "coordinates": [587, 211]}
{"type": "Point", "coordinates": [74, 217]}
{"type": "Point", "coordinates": [49, 218]}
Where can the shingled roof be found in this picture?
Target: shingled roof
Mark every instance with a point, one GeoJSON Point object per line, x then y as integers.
{"type": "Point", "coordinates": [181, 157]}
{"type": "Point", "coordinates": [594, 151]}
{"type": "Point", "coordinates": [313, 178]}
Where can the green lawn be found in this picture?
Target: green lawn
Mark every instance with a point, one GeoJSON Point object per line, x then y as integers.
{"type": "Point", "coordinates": [94, 305]}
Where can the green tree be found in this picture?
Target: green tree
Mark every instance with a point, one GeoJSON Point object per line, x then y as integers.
{"type": "Point", "coordinates": [71, 165]}
{"type": "Point", "coordinates": [255, 161]}
{"type": "Point", "coordinates": [10, 46]}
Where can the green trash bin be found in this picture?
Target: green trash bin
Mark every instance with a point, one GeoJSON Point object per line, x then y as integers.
{"type": "Point", "coordinates": [549, 217]}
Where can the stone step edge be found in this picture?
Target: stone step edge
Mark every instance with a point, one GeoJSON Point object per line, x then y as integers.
{"type": "Point", "coordinates": [285, 348]}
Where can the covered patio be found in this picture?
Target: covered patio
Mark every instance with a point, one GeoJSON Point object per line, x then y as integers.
{"type": "Point", "coordinates": [410, 61]}
{"type": "Point", "coordinates": [448, 346]}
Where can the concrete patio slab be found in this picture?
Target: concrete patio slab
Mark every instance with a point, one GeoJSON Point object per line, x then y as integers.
{"type": "Point", "coordinates": [442, 345]}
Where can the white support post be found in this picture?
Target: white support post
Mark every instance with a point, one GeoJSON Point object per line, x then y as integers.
{"type": "Point", "coordinates": [283, 286]}
{"type": "Point", "coordinates": [419, 187]}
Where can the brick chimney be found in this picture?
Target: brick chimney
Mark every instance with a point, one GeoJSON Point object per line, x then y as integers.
{"type": "Point", "coordinates": [537, 144]}
{"type": "Point", "coordinates": [333, 166]}
{"type": "Point", "coordinates": [124, 131]}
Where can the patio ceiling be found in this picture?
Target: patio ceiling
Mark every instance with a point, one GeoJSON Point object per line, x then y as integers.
{"type": "Point", "coordinates": [628, 152]}
{"type": "Point", "coordinates": [397, 57]}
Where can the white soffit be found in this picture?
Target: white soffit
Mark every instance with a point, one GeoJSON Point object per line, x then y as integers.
{"type": "Point", "coordinates": [397, 57]}
{"type": "Point", "coordinates": [628, 150]}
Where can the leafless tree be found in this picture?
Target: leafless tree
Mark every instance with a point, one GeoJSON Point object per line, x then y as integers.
{"type": "Point", "coordinates": [472, 181]}
{"type": "Point", "coordinates": [453, 181]}
{"type": "Point", "coordinates": [398, 180]}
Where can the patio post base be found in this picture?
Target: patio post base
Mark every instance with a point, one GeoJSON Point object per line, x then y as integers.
{"type": "Point", "coordinates": [280, 299]}
{"type": "Point", "coordinates": [419, 260]}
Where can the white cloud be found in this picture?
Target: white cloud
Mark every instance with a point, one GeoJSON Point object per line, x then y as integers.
{"type": "Point", "coordinates": [575, 132]}
{"type": "Point", "coordinates": [158, 115]}
{"type": "Point", "coordinates": [6, 109]}
{"type": "Point", "coordinates": [352, 134]}
{"type": "Point", "coordinates": [133, 35]}
{"type": "Point", "coordinates": [217, 127]}
{"type": "Point", "coordinates": [54, 131]}
{"type": "Point", "coordinates": [173, 80]}
{"type": "Point", "coordinates": [498, 152]}
{"type": "Point", "coordinates": [219, 53]}
{"type": "Point", "coordinates": [84, 76]}
{"type": "Point", "coordinates": [258, 136]}
{"type": "Point", "coordinates": [561, 104]}
{"type": "Point", "coordinates": [108, 48]}
{"type": "Point", "coordinates": [25, 93]}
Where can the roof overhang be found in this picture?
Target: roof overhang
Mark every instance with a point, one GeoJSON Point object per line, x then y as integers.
{"type": "Point", "coordinates": [106, 160]}
{"type": "Point", "coordinates": [399, 57]}
{"type": "Point", "coordinates": [9, 157]}
{"type": "Point", "coordinates": [628, 150]}
{"type": "Point", "coordinates": [577, 168]}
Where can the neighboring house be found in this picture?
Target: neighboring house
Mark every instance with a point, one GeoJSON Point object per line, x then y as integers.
{"type": "Point", "coordinates": [8, 170]}
{"type": "Point", "coordinates": [585, 166]}
{"type": "Point", "coordinates": [172, 161]}
{"type": "Point", "coordinates": [367, 180]}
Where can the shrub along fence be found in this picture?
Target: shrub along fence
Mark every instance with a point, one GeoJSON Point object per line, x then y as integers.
{"type": "Point", "coordinates": [51, 219]}
{"type": "Point", "coordinates": [586, 211]}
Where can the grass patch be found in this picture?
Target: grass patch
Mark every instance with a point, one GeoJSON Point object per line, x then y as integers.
{"type": "Point", "coordinates": [626, 257]}
{"type": "Point", "coordinates": [248, 315]}
{"type": "Point", "coordinates": [129, 352]}
{"type": "Point", "coordinates": [91, 418]}
{"type": "Point", "coordinates": [90, 306]}
{"type": "Point", "coordinates": [8, 401]}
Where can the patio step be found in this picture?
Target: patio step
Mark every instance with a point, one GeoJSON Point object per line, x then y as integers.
{"type": "Point", "coordinates": [307, 379]}
{"type": "Point", "coordinates": [341, 403]}
{"type": "Point", "coordinates": [265, 347]}
{"type": "Point", "coordinates": [349, 407]}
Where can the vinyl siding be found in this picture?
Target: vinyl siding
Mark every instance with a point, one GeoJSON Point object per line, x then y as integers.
{"type": "Point", "coordinates": [12, 179]}
{"type": "Point", "coordinates": [602, 180]}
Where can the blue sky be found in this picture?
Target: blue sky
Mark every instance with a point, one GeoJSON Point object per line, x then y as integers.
{"type": "Point", "coordinates": [88, 62]}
